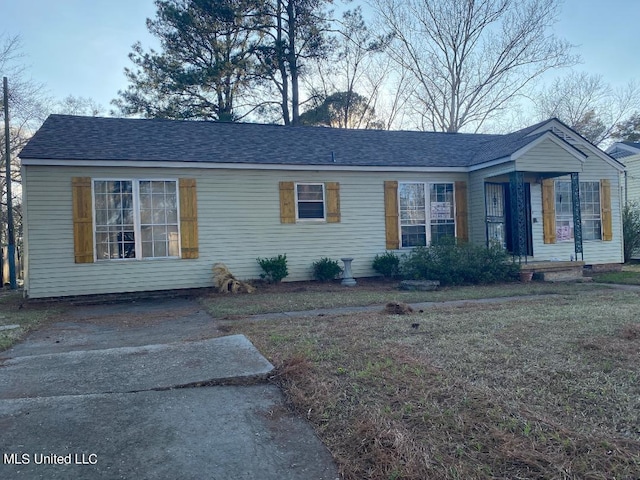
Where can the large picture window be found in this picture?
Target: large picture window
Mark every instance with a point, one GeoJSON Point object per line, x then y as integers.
{"type": "Point", "coordinates": [426, 213]}
{"type": "Point", "coordinates": [136, 219]}
{"type": "Point", "coordinates": [589, 210]}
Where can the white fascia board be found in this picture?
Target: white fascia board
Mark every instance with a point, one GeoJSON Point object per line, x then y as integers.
{"type": "Point", "coordinates": [490, 163]}
{"type": "Point", "coordinates": [580, 141]}
{"type": "Point", "coordinates": [238, 166]}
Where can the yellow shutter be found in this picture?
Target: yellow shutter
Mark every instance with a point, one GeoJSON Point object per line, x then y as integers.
{"type": "Point", "coordinates": [391, 215]}
{"type": "Point", "coordinates": [82, 219]}
{"type": "Point", "coordinates": [462, 228]}
{"type": "Point", "coordinates": [548, 211]}
{"type": "Point", "coordinates": [333, 202]}
{"type": "Point", "coordinates": [188, 218]}
{"type": "Point", "coordinates": [287, 203]}
{"type": "Point", "coordinates": [605, 210]}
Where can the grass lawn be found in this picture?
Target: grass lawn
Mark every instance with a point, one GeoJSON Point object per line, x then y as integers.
{"type": "Point", "coordinates": [291, 297]}
{"type": "Point", "coordinates": [630, 275]}
{"type": "Point", "coordinates": [546, 387]}
{"type": "Point", "coordinates": [15, 311]}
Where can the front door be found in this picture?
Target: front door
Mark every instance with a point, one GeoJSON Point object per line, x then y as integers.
{"type": "Point", "coordinates": [499, 216]}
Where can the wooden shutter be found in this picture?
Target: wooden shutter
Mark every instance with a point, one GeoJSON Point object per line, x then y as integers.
{"type": "Point", "coordinates": [548, 211]}
{"type": "Point", "coordinates": [391, 215]}
{"type": "Point", "coordinates": [81, 199]}
{"type": "Point", "coordinates": [462, 227]}
{"type": "Point", "coordinates": [332, 191]}
{"type": "Point", "coordinates": [605, 210]}
{"type": "Point", "coordinates": [188, 218]}
{"type": "Point", "coordinates": [287, 203]}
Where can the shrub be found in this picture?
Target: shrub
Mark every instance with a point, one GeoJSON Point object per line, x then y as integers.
{"type": "Point", "coordinates": [459, 263]}
{"type": "Point", "coordinates": [275, 268]}
{"type": "Point", "coordinates": [387, 265]}
{"type": "Point", "coordinates": [326, 269]}
{"type": "Point", "coordinates": [631, 230]}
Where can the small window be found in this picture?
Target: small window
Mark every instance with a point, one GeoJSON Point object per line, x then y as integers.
{"type": "Point", "coordinates": [310, 201]}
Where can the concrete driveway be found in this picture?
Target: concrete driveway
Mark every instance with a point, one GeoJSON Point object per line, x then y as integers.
{"type": "Point", "coordinates": [143, 390]}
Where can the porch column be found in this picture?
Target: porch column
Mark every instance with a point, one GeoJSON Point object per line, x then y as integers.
{"type": "Point", "coordinates": [577, 217]}
{"type": "Point", "coordinates": [518, 220]}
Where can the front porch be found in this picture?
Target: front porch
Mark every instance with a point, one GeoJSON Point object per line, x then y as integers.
{"type": "Point", "coordinates": [551, 271]}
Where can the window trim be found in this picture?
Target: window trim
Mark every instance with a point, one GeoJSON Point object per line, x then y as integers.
{"type": "Point", "coordinates": [428, 220]}
{"type": "Point", "coordinates": [323, 201]}
{"type": "Point", "coordinates": [135, 190]}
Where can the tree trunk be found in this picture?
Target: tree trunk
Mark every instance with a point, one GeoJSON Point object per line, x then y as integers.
{"type": "Point", "coordinates": [282, 66]}
{"type": "Point", "coordinates": [293, 62]}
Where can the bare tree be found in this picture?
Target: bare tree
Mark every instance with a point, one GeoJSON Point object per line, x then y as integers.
{"type": "Point", "coordinates": [26, 113]}
{"type": "Point", "coordinates": [72, 105]}
{"type": "Point", "coordinates": [471, 59]}
{"type": "Point", "coordinates": [346, 86]}
{"type": "Point", "coordinates": [587, 104]}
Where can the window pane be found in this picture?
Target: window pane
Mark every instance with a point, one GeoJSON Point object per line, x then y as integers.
{"type": "Point", "coordinates": [311, 210]}
{"type": "Point", "coordinates": [174, 244]}
{"type": "Point", "coordinates": [308, 192]}
{"type": "Point", "coordinates": [146, 216]}
{"type": "Point", "coordinates": [147, 249]}
{"type": "Point", "coordinates": [441, 231]}
{"type": "Point", "coordinates": [145, 234]}
{"type": "Point", "coordinates": [172, 216]}
{"type": "Point", "coordinates": [413, 236]}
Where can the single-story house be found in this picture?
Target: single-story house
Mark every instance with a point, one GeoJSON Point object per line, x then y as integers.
{"type": "Point", "coordinates": [629, 153]}
{"type": "Point", "coordinates": [124, 205]}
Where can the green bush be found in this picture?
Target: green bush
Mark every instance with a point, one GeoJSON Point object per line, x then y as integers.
{"type": "Point", "coordinates": [631, 230]}
{"type": "Point", "coordinates": [326, 269]}
{"type": "Point", "coordinates": [275, 268]}
{"type": "Point", "coordinates": [459, 264]}
{"type": "Point", "coordinates": [387, 265]}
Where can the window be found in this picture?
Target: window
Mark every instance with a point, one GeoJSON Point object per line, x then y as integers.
{"type": "Point", "coordinates": [310, 201]}
{"type": "Point", "coordinates": [589, 210]}
{"type": "Point", "coordinates": [442, 219]}
{"type": "Point", "coordinates": [422, 222]}
{"type": "Point", "coordinates": [136, 219]}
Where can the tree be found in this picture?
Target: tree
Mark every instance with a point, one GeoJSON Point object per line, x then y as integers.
{"type": "Point", "coordinates": [71, 105]}
{"type": "Point", "coordinates": [342, 110]}
{"type": "Point", "coordinates": [27, 110]}
{"type": "Point", "coordinates": [206, 67]}
{"type": "Point", "coordinates": [631, 230]}
{"type": "Point", "coordinates": [628, 130]}
{"type": "Point", "coordinates": [587, 104]}
{"type": "Point", "coordinates": [295, 33]}
{"type": "Point", "coordinates": [470, 59]}
{"type": "Point", "coordinates": [352, 65]}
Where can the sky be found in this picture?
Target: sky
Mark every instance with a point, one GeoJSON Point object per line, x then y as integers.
{"type": "Point", "coordinates": [81, 47]}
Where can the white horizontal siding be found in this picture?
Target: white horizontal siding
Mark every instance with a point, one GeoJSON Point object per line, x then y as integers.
{"type": "Point", "coordinates": [595, 251]}
{"type": "Point", "coordinates": [238, 221]}
{"type": "Point", "coordinates": [548, 157]}
{"type": "Point", "coordinates": [633, 178]}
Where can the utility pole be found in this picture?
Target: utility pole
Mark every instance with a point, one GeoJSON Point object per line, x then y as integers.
{"type": "Point", "coordinates": [11, 243]}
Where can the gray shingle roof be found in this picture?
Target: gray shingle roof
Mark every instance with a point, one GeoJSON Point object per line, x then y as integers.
{"type": "Point", "coordinates": [65, 137]}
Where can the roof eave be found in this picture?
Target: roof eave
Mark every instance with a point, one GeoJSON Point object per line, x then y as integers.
{"type": "Point", "coordinates": [239, 166]}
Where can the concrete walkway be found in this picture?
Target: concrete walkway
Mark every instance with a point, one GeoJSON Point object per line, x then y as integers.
{"type": "Point", "coordinates": [89, 398]}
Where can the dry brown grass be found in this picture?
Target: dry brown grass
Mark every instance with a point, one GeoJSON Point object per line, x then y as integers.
{"type": "Point", "coordinates": [530, 389]}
